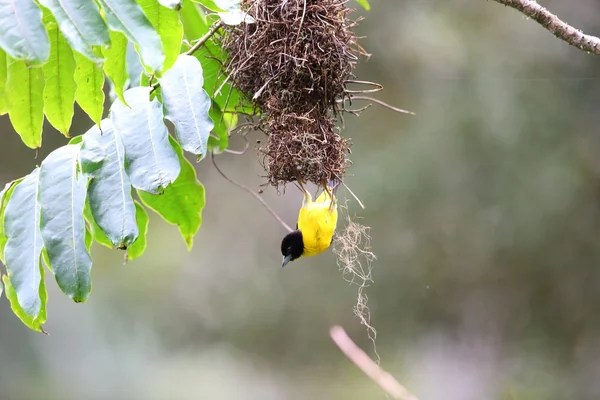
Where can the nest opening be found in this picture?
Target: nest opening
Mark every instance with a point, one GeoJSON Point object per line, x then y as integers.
{"type": "Point", "coordinates": [293, 65]}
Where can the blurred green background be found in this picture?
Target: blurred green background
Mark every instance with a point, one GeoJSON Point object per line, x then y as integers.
{"type": "Point", "coordinates": [485, 216]}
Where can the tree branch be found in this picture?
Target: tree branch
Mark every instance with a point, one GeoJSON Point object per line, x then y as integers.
{"type": "Point", "coordinates": [215, 27]}
{"type": "Point", "coordinates": [551, 22]}
{"type": "Point", "coordinates": [382, 378]}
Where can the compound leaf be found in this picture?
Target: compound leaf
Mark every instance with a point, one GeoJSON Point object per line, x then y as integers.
{"type": "Point", "coordinates": [22, 252]}
{"type": "Point", "coordinates": [5, 196]}
{"type": "Point", "coordinates": [166, 22]}
{"type": "Point", "coordinates": [126, 16]}
{"type": "Point", "coordinates": [139, 246]}
{"type": "Point", "coordinates": [115, 64]}
{"type": "Point", "coordinates": [182, 202]}
{"type": "Point", "coordinates": [109, 191]}
{"type": "Point", "coordinates": [23, 35]}
{"type": "Point", "coordinates": [150, 161]}
{"type": "Point", "coordinates": [81, 24]}
{"type": "Point", "coordinates": [59, 89]}
{"type": "Point", "coordinates": [89, 79]}
{"type": "Point", "coordinates": [62, 192]}
{"type": "Point", "coordinates": [4, 98]}
{"type": "Point", "coordinates": [25, 87]}
{"type": "Point", "coordinates": [187, 104]}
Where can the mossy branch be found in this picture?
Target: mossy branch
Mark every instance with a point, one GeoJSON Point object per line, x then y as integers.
{"type": "Point", "coordinates": [555, 25]}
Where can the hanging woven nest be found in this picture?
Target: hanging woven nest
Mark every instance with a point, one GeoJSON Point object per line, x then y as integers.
{"type": "Point", "coordinates": [292, 64]}
{"type": "Point", "coordinates": [306, 149]}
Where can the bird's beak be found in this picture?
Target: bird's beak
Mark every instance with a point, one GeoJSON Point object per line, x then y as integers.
{"type": "Point", "coordinates": [286, 260]}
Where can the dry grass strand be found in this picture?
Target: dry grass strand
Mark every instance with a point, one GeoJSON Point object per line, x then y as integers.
{"type": "Point", "coordinates": [352, 249]}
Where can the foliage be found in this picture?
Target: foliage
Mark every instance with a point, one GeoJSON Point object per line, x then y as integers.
{"type": "Point", "coordinates": [56, 54]}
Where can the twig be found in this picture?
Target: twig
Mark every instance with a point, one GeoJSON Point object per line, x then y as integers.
{"type": "Point", "coordinates": [381, 103]}
{"type": "Point", "coordinates": [555, 25]}
{"type": "Point", "coordinates": [382, 378]}
{"type": "Point", "coordinates": [215, 27]}
{"type": "Point", "coordinates": [253, 193]}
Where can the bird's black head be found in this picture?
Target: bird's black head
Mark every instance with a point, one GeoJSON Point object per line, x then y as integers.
{"type": "Point", "coordinates": [292, 247]}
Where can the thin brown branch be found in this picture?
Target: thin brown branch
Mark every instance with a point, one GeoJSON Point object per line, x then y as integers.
{"type": "Point", "coordinates": [252, 192]}
{"type": "Point", "coordinates": [555, 25]}
{"type": "Point", "coordinates": [382, 378]}
{"type": "Point", "coordinates": [215, 27]}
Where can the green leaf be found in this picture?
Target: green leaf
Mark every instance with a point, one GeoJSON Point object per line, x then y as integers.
{"type": "Point", "coordinates": [62, 191]}
{"type": "Point", "coordinates": [138, 247]}
{"type": "Point", "coordinates": [32, 322]}
{"type": "Point", "coordinates": [89, 79]}
{"type": "Point", "coordinates": [166, 22]}
{"type": "Point", "coordinates": [193, 22]}
{"type": "Point", "coordinates": [187, 104]}
{"type": "Point", "coordinates": [89, 238]}
{"type": "Point", "coordinates": [81, 24]}
{"type": "Point", "coordinates": [5, 196]}
{"type": "Point", "coordinates": [134, 67]}
{"type": "Point", "coordinates": [150, 161]}
{"type": "Point", "coordinates": [24, 247]}
{"type": "Point", "coordinates": [94, 229]}
{"type": "Point", "coordinates": [25, 86]}
{"type": "Point", "coordinates": [115, 65]}
{"type": "Point", "coordinates": [4, 98]}
{"type": "Point", "coordinates": [219, 143]}
{"type": "Point", "coordinates": [182, 202]}
{"type": "Point", "coordinates": [59, 90]}
{"type": "Point", "coordinates": [126, 16]}
{"type": "Point", "coordinates": [109, 191]}
{"type": "Point", "coordinates": [23, 35]}
{"type": "Point", "coordinates": [76, 139]}
{"type": "Point", "coordinates": [195, 26]}
{"type": "Point", "coordinates": [365, 4]}
{"type": "Point", "coordinates": [172, 4]}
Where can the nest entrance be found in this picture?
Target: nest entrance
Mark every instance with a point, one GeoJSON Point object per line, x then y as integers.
{"type": "Point", "coordinates": [292, 64]}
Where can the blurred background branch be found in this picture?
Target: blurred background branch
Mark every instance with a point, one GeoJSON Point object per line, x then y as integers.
{"type": "Point", "coordinates": [559, 28]}
{"type": "Point", "coordinates": [381, 377]}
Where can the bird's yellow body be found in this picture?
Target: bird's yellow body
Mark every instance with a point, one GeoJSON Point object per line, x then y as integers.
{"type": "Point", "coordinates": [317, 221]}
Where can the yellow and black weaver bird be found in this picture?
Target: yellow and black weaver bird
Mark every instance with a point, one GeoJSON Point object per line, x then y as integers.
{"type": "Point", "coordinates": [316, 225]}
